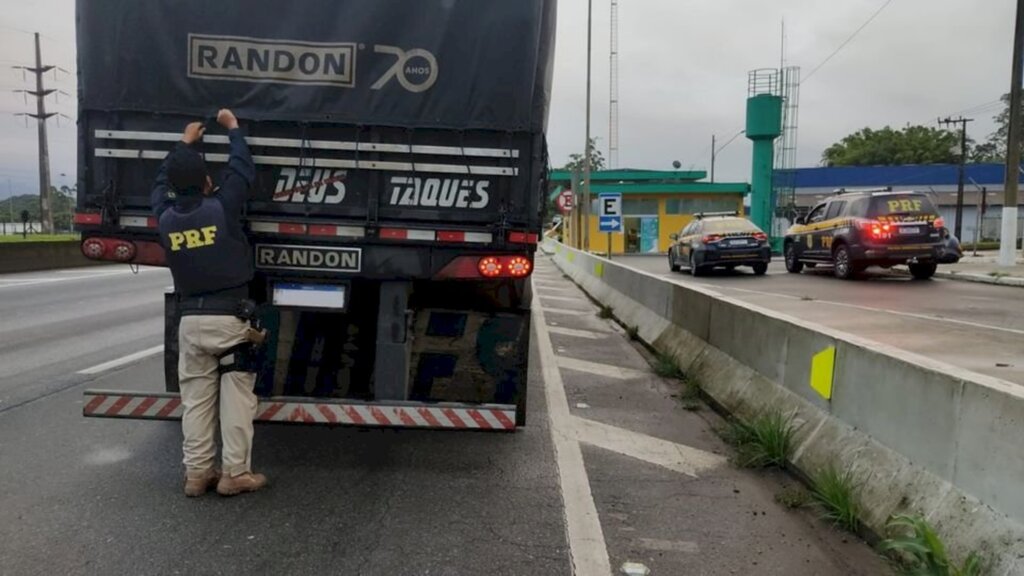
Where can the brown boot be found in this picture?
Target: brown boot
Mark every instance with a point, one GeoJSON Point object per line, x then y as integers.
{"type": "Point", "coordinates": [244, 482]}
{"type": "Point", "coordinates": [197, 483]}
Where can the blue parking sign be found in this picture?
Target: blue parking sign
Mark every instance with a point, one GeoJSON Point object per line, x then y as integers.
{"type": "Point", "coordinates": [609, 212]}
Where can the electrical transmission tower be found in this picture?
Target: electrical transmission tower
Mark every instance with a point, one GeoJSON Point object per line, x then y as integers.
{"type": "Point", "coordinates": [613, 104]}
{"type": "Point", "coordinates": [41, 116]}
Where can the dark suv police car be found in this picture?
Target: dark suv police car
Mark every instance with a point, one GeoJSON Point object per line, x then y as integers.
{"type": "Point", "coordinates": [719, 239]}
{"type": "Point", "coordinates": [854, 230]}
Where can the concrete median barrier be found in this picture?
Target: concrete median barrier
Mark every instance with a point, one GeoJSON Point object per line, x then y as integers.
{"type": "Point", "coordinates": [30, 256]}
{"type": "Point", "coordinates": [922, 436]}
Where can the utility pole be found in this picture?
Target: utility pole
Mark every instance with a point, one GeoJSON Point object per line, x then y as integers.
{"type": "Point", "coordinates": [585, 209]}
{"type": "Point", "coordinates": [1008, 236]}
{"type": "Point", "coordinates": [963, 160]}
{"type": "Point", "coordinates": [712, 158]}
{"type": "Point", "coordinates": [41, 116]}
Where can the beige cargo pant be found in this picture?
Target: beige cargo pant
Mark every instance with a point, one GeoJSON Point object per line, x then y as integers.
{"type": "Point", "coordinates": [201, 339]}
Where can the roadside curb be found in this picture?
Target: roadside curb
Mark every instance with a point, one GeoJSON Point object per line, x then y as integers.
{"type": "Point", "coordinates": [1012, 281]}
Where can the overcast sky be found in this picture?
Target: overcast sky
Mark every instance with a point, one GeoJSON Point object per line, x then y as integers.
{"type": "Point", "coordinates": [683, 75]}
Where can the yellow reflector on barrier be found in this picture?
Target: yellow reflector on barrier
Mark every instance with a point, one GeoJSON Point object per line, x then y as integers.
{"type": "Point", "coordinates": [822, 366]}
{"type": "Point", "coordinates": [599, 269]}
{"type": "Point", "coordinates": [571, 256]}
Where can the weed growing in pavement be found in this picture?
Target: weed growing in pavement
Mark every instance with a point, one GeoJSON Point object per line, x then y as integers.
{"type": "Point", "coordinates": [633, 332]}
{"type": "Point", "coordinates": [915, 548]}
{"type": "Point", "coordinates": [836, 491]}
{"type": "Point", "coordinates": [806, 299]}
{"type": "Point", "coordinates": [766, 441]}
{"type": "Point", "coordinates": [606, 312]}
{"type": "Point", "coordinates": [997, 274]}
{"type": "Point", "coordinates": [666, 367]}
{"type": "Point", "coordinates": [793, 497]}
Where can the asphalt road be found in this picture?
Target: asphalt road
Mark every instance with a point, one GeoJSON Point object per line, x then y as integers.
{"type": "Point", "coordinates": [976, 326]}
{"type": "Point", "coordinates": [586, 483]}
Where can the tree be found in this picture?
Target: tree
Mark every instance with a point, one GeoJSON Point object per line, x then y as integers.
{"type": "Point", "coordinates": [994, 148]}
{"type": "Point", "coordinates": [578, 161]}
{"type": "Point", "coordinates": [887, 147]}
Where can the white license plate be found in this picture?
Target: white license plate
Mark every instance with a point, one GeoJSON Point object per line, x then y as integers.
{"type": "Point", "coordinates": [910, 230]}
{"type": "Point", "coordinates": [738, 242]}
{"type": "Point", "coordinates": [329, 296]}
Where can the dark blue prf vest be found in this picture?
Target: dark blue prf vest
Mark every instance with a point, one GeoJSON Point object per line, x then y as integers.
{"type": "Point", "coordinates": [206, 251]}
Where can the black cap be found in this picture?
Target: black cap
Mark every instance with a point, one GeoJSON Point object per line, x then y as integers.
{"type": "Point", "coordinates": [186, 171]}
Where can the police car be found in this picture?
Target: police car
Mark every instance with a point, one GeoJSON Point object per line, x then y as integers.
{"type": "Point", "coordinates": [720, 239]}
{"type": "Point", "coordinates": [857, 229]}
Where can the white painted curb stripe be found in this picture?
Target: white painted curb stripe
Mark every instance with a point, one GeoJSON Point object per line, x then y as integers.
{"type": "Point", "coordinates": [587, 546]}
{"type": "Point", "coordinates": [117, 363]}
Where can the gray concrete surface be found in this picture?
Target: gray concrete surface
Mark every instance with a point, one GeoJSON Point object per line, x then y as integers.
{"type": "Point", "coordinates": [922, 436]}
{"type": "Point", "coordinates": [80, 496]}
{"type": "Point", "coordinates": [28, 256]}
{"type": "Point", "coordinates": [975, 326]}
{"type": "Point", "coordinates": [57, 322]}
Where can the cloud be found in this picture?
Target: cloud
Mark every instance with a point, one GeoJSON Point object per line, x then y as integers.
{"type": "Point", "coordinates": [683, 74]}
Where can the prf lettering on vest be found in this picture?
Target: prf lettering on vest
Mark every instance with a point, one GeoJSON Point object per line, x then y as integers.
{"type": "Point", "coordinates": [904, 205]}
{"type": "Point", "coordinates": [205, 236]}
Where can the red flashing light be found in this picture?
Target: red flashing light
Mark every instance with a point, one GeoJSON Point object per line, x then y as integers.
{"type": "Point", "coordinates": [939, 223]}
{"type": "Point", "coordinates": [518, 266]}
{"type": "Point", "coordinates": [711, 238]}
{"type": "Point", "coordinates": [760, 236]}
{"type": "Point", "coordinates": [490, 267]}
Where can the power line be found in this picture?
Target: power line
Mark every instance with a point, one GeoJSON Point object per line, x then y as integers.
{"type": "Point", "coordinates": [847, 41]}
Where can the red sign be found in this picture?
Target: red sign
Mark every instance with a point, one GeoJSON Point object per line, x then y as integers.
{"type": "Point", "coordinates": [565, 201]}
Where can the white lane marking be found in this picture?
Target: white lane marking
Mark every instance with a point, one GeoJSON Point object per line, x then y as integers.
{"type": "Point", "coordinates": [882, 310]}
{"type": "Point", "coordinates": [566, 311]}
{"type": "Point", "coordinates": [587, 546]}
{"type": "Point", "coordinates": [600, 369]}
{"type": "Point", "coordinates": [563, 298]}
{"type": "Point", "coordinates": [36, 281]}
{"type": "Point", "coordinates": [668, 545]}
{"type": "Point", "coordinates": [676, 457]}
{"type": "Point", "coordinates": [118, 362]}
{"type": "Point", "coordinates": [588, 334]}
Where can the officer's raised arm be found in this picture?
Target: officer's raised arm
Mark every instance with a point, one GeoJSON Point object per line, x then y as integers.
{"type": "Point", "coordinates": [241, 171]}
{"type": "Point", "coordinates": [162, 196]}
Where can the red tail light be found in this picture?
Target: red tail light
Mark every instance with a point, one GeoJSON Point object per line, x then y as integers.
{"type": "Point", "coordinates": [490, 267]}
{"type": "Point", "coordinates": [94, 248]}
{"type": "Point", "coordinates": [760, 236]}
{"type": "Point", "coordinates": [470, 267]}
{"type": "Point", "coordinates": [137, 252]}
{"type": "Point", "coordinates": [876, 229]}
{"type": "Point", "coordinates": [711, 238]}
{"type": "Point", "coordinates": [939, 223]}
{"type": "Point", "coordinates": [519, 267]}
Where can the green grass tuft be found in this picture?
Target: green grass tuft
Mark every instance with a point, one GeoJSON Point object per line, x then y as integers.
{"type": "Point", "coordinates": [793, 497]}
{"type": "Point", "coordinates": [916, 549]}
{"type": "Point", "coordinates": [16, 238]}
{"type": "Point", "coordinates": [766, 441]}
{"type": "Point", "coordinates": [836, 491]}
{"type": "Point", "coordinates": [606, 312]}
{"type": "Point", "coordinates": [666, 367]}
{"type": "Point", "coordinates": [633, 332]}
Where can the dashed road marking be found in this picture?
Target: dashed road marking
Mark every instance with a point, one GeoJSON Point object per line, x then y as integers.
{"type": "Point", "coordinates": [562, 298]}
{"type": "Point", "coordinates": [566, 311]}
{"type": "Point", "coordinates": [587, 546]}
{"type": "Point", "coordinates": [656, 545]}
{"type": "Point", "coordinates": [676, 457]}
{"type": "Point", "coordinates": [19, 282]}
{"type": "Point", "coordinates": [118, 362]}
{"type": "Point", "coordinates": [600, 369]}
{"type": "Point", "coordinates": [588, 334]}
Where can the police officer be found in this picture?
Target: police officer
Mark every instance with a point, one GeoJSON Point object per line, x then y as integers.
{"type": "Point", "coordinates": [210, 260]}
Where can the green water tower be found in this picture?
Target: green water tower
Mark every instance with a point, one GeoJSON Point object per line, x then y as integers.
{"type": "Point", "coordinates": [764, 125]}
